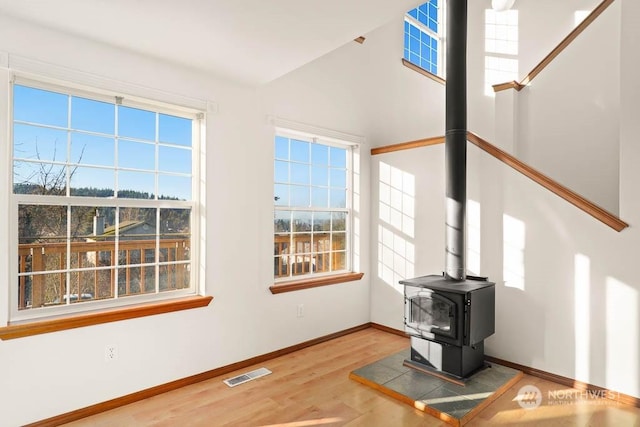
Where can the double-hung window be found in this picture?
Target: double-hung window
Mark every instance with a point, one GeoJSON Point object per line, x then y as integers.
{"type": "Point", "coordinates": [104, 200]}
{"type": "Point", "coordinates": [423, 36]}
{"type": "Point", "coordinates": [313, 199]}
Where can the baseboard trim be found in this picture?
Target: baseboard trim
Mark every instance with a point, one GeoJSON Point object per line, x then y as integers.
{"type": "Point", "coordinates": [388, 329]}
{"type": "Point", "coordinates": [569, 382]}
{"type": "Point", "coordinates": [174, 385]}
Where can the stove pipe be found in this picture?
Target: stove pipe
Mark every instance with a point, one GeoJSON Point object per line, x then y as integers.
{"type": "Point", "coordinates": [456, 138]}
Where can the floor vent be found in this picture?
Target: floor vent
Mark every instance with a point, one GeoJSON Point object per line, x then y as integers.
{"type": "Point", "coordinates": [243, 378]}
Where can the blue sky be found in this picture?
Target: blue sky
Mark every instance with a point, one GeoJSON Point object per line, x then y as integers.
{"type": "Point", "coordinates": [42, 129]}
{"type": "Point", "coordinates": [308, 174]}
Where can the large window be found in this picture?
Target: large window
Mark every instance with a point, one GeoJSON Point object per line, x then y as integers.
{"type": "Point", "coordinates": [103, 200]}
{"type": "Point", "coordinates": [423, 36]}
{"type": "Point", "coordinates": [312, 198]}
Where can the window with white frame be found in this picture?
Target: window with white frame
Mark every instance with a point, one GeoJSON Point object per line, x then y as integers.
{"type": "Point", "coordinates": [104, 199]}
{"type": "Point", "coordinates": [423, 36]}
{"type": "Point", "coordinates": [312, 198]}
{"type": "Point", "coordinates": [501, 47]}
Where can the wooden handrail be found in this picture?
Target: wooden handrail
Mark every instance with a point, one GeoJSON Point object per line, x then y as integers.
{"type": "Point", "coordinates": [556, 51]}
{"type": "Point", "coordinates": [408, 145]}
{"type": "Point", "coordinates": [555, 187]}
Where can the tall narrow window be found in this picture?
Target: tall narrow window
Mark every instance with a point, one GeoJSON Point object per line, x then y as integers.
{"type": "Point", "coordinates": [103, 200]}
{"type": "Point", "coordinates": [312, 198]}
{"type": "Point", "coordinates": [501, 46]}
{"type": "Point", "coordinates": [423, 36]}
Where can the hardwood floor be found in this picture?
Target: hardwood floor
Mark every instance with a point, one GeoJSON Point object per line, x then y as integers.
{"type": "Point", "coordinates": [311, 387]}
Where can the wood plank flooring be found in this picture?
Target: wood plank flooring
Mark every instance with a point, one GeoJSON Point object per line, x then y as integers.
{"type": "Point", "coordinates": [311, 387]}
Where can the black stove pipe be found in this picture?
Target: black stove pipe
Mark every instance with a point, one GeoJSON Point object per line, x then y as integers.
{"type": "Point", "coordinates": [456, 138]}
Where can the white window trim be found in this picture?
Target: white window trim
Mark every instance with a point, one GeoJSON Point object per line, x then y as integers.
{"type": "Point", "coordinates": [441, 36]}
{"type": "Point", "coordinates": [304, 132]}
{"type": "Point", "coordinates": [10, 312]}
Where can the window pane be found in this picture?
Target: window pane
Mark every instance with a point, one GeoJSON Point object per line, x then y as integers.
{"type": "Point", "coordinates": [319, 154]}
{"type": "Point", "coordinates": [339, 178]}
{"type": "Point", "coordinates": [339, 221]}
{"type": "Point", "coordinates": [338, 157]}
{"type": "Point", "coordinates": [136, 123]}
{"type": "Point", "coordinates": [282, 221]}
{"type": "Point", "coordinates": [92, 182]}
{"type": "Point", "coordinates": [90, 285]}
{"type": "Point", "coordinates": [338, 261]}
{"type": "Point", "coordinates": [174, 187]}
{"type": "Point", "coordinates": [281, 195]}
{"type": "Point", "coordinates": [173, 277]}
{"type": "Point", "coordinates": [300, 151]}
{"type": "Point", "coordinates": [130, 279]}
{"type": "Point", "coordinates": [136, 185]}
{"type": "Point", "coordinates": [92, 150]}
{"type": "Point", "coordinates": [300, 173]}
{"type": "Point", "coordinates": [94, 116]}
{"type": "Point", "coordinates": [174, 160]}
{"type": "Point", "coordinates": [300, 196]}
{"type": "Point", "coordinates": [41, 290]}
{"type": "Point", "coordinates": [40, 106]}
{"type": "Point", "coordinates": [322, 221]}
{"type": "Point", "coordinates": [301, 221]}
{"type": "Point", "coordinates": [176, 130]}
{"type": "Point", "coordinates": [175, 235]}
{"type": "Point", "coordinates": [320, 176]}
{"type": "Point", "coordinates": [338, 198]}
{"type": "Point", "coordinates": [339, 241]}
{"type": "Point", "coordinates": [281, 171]}
{"type": "Point", "coordinates": [282, 148]}
{"type": "Point", "coordinates": [319, 197]}
{"type": "Point", "coordinates": [39, 178]}
{"type": "Point", "coordinates": [136, 224]}
{"type": "Point", "coordinates": [42, 236]}
{"type": "Point", "coordinates": [37, 143]}
{"type": "Point", "coordinates": [136, 155]}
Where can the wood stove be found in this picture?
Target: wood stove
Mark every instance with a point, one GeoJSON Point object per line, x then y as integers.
{"type": "Point", "coordinates": [448, 321]}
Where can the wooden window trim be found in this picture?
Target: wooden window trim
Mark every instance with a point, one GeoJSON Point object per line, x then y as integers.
{"type": "Point", "coordinates": [21, 330]}
{"type": "Point", "coordinates": [422, 71]}
{"type": "Point", "coordinates": [314, 282]}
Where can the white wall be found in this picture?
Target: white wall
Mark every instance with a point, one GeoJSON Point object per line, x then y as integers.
{"type": "Point", "coordinates": [46, 375]}
{"type": "Point", "coordinates": [577, 143]}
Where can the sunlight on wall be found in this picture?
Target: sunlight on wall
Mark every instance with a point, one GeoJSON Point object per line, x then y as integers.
{"type": "Point", "coordinates": [473, 237]}
{"type": "Point", "coordinates": [396, 258]}
{"type": "Point", "coordinates": [514, 240]}
{"type": "Point", "coordinates": [501, 44]}
{"type": "Point", "coordinates": [581, 313]}
{"type": "Point", "coordinates": [579, 16]}
{"type": "Point", "coordinates": [397, 198]}
{"type": "Point", "coordinates": [622, 337]}
{"type": "Point", "coordinates": [396, 251]}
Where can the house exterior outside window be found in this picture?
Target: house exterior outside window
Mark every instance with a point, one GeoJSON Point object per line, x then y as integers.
{"type": "Point", "coordinates": [424, 35]}
{"type": "Point", "coordinates": [104, 200]}
{"type": "Point", "coordinates": [312, 207]}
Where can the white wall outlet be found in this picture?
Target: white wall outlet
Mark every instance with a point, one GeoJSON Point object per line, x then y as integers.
{"type": "Point", "coordinates": [300, 310]}
{"type": "Point", "coordinates": [110, 353]}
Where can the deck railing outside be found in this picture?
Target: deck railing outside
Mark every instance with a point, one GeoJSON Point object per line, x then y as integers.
{"type": "Point", "coordinates": [93, 269]}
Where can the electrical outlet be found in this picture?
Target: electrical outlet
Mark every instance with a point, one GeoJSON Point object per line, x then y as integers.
{"type": "Point", "coordinates": [110, 353]}
{"type": "Point", "coordinates": [300, 310]}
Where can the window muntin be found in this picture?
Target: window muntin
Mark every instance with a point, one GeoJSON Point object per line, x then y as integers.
{"type": "Point", "coordinates": [501, 47]}
{"type": "Point", "coordinates": [102, 195]}
{"type": "Point", "coordinates": [312, 207]}
{"type": "Point", "coordinates": [423, 36]}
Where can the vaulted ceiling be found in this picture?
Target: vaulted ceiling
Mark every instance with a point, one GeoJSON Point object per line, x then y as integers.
{"type": "Point", "coordinates": [250, 41]}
